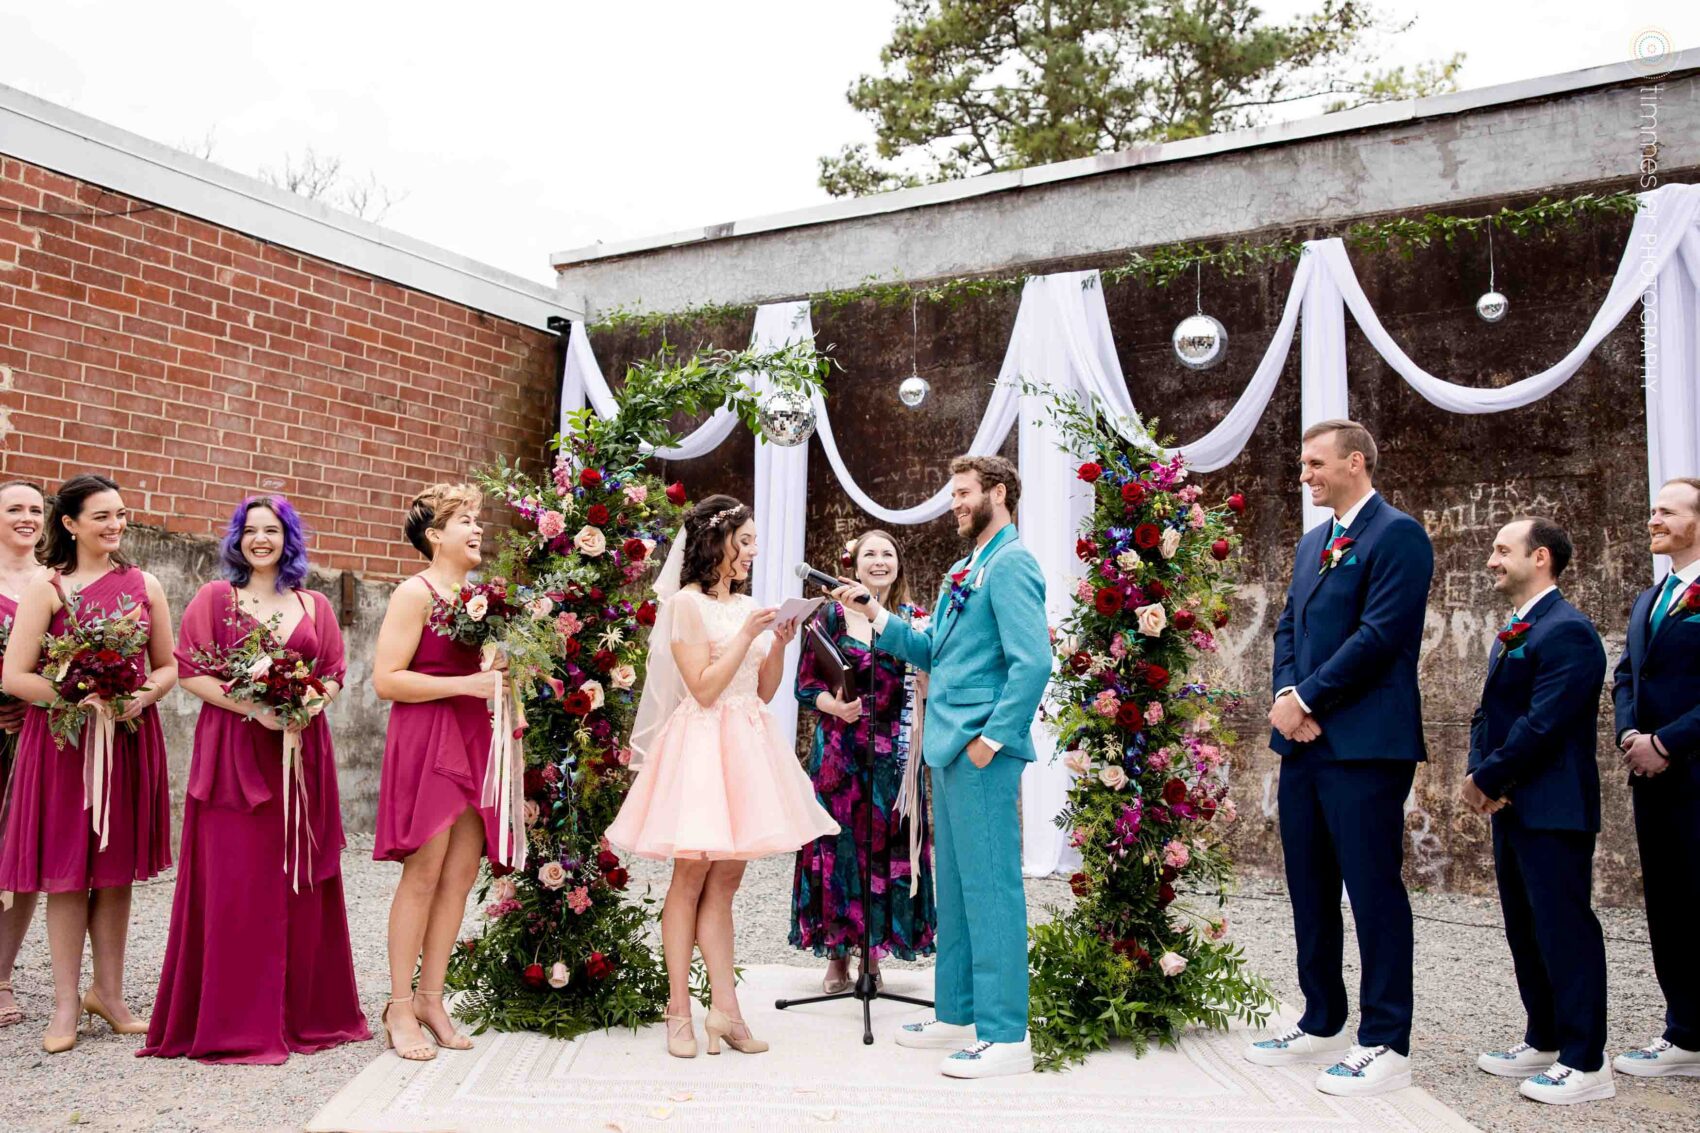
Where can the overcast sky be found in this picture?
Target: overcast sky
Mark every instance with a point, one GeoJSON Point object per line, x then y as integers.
{"type": "Point", "coordinates": [515, 129]}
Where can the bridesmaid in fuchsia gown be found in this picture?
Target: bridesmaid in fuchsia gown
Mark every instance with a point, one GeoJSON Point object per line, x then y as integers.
{"type": "Point", "coordinates": [435, 756]}
{"type": "Point", "coordinates": [85, 857]}
{"type": "Point", "coordinates": [258, 963]}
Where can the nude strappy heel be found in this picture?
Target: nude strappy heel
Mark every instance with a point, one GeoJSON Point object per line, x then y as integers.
{"type": "Point", "coordinates": [422, 1052]}
{"type": "Point", "coordinates": [455, 1041]}
{"type": "Point", "coordinates": [719, 1026]}
{"type": "Point", "coordinates": [681, 1036]}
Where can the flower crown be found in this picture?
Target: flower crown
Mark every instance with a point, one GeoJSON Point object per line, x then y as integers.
{"type": "Point", "coordinates": [720, 517]}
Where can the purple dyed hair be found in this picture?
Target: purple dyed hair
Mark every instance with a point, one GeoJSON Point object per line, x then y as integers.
{"type": "Point", "coordinates": [291, 564]}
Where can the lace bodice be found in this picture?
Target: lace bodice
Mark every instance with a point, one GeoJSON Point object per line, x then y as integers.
{"type": "Point", "coordinates": [723, 620]}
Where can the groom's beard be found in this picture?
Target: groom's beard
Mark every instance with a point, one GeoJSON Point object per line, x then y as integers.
{"type": "Point", "coordinates": [979, 519]}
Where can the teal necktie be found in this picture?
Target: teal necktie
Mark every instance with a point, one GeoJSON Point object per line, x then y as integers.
{"type": "Point", "coordinates": [1662, 606]}
{"type": "Point", "coordinates": [1339, 532]}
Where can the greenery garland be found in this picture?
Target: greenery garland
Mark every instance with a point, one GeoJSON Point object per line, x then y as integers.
{"type": "Point", "coordinates": [1161, 266]}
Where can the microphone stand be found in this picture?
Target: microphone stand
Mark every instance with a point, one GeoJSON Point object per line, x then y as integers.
{"type": "Point", "coordinates": [865, 989]}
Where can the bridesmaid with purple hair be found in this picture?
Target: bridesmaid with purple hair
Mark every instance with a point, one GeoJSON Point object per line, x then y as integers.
{"type": "Point", "coordinates": [258, 964]}
{"type": "Point", "coordinates": [53, 842]}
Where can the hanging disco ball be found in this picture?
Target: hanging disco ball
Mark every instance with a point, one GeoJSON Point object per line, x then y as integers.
{"type": "Point", "coordinates": [1492, 306]}
{"type": "Point", "coordinates": [787, 418]}
{"type": "Point", "coordinates": [913, 390]}
{"type": "Point", "coordinates": [1200, 342]}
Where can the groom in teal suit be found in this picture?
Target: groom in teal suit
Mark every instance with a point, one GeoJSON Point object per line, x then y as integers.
{"type": "Point", "coordinates": [988, 651]}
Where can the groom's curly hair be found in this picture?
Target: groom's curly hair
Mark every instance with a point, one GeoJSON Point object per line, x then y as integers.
{"type": "Point", "coordinates": [992, 470]}
{"type": "Point", "coordinates": [709, 527]}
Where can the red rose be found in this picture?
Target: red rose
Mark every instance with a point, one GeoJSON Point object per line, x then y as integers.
{"type": "Point", "coordinates": [533, 975]}
{"type": "Point", "coordinates": [1236, 504]}
{"type": "Point", "coordinates": [1079, 884]}
{"type": "Point", "coordinates": [1090, 472]}
{"type": "Point", "coordinates": [572, 647]}
{"type": "Point", "coordinates": [1156, 676]}
{"type": "Point", "coordinates": [1206, 808]}
{"type": "Point", "coordinates": [1174, 792]}
{"type": "Point", "coordinates": [606, 860]}
{"type": "Point", "coordinates": [1085, 549]}
{"type": "Point", "coordinates": [596, 515]}
{"type": "Point", "coordinates": [1128, 716]}
{"type": "Point", "coordinates": [1166, 894]}
{"type": "Point", "coordinates": [1080, 663]}
{"type": "Point", "coordinates": [1147, 535]}
{"type": "Point", "coordinates": [1184, 620]}
{"type": "Point", "coordinates": [577, 703]}
{"type": "Point", "coordinates": [1133, 492]}
{"type": "Point", "coordinates": [597, 966]}
{"type": "Point", "coordinates": [596, 594]}
{"type": "Point", "coordinates": [1220, 617]}
{"type": "Point", "coordinates": [590, 478]}
{"type": "Point", "coordinates": [1108, 601]}
{"type": "Point", "coordinates": [1156, 590]}
{"type": "Point", "coordinates": [535, 783]}
{"type": "Point", "coordinates": [676, 493]}
{"type": "Point", "coordinates": [634, 550]}
{"type": "Point", "coordinates": [1219, 550]}
{"type": "Point", "coordinates": [617, 877]}
{"type": "Point", "coordinates": [645, 614]}
{"type": "Point", "coordinates": [1168, 874]}
{"type": "Point", "coordinates": [605, 660]}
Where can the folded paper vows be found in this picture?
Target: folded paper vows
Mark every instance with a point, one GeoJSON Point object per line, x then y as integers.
{"type": "Point", "coordinates": [796, 609]}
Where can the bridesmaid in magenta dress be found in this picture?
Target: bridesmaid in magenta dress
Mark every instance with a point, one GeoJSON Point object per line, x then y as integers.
{"type": "Point", "coordinates": [435, 756]}
{"type": "Point", "coordinates": [258, 962]}
{"type": "Point", "coordinates": [50, 844]}
{"type": "Point", "coordinates": [23, 517]}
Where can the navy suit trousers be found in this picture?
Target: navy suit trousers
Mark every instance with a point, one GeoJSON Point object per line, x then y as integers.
{"type": "Point", "coordinates": [1546, 884]}
{"type": "Point", "coordinates": [1667, 830]}
{"type": "Point", "coordinates": [1344, 821]}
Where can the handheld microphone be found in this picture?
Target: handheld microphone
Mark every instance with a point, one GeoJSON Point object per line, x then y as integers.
{"type": "Point", "coordinates": [820, 578]}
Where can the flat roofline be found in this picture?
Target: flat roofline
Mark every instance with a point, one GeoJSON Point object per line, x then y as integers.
{"type": "Point", "coordinates": [1281, 133]}
{"type": "Point", "coordinates": [55, 137]}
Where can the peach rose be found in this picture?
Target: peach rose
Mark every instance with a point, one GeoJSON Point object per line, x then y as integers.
{"type": "Point", "coordinates": [1113, 777]}
{"type": "Point", "coordinates": [590, 541]}
{"type": "Point", "coordinates": [533, 812]}
{"type": "Point", "coordinates": [1152, 619]}
{"type": "Point", "coordinates": [1170, 544]}
{"type": "Point", "coordinates": [595, 692]}
{"type": "Point", "coordinates": [558, 975]}
{"type": "Point", "coordinates": [504, 890]}
{"type": "Point", "coordinates": [623, 676]}
{"type": "Point", "coordinates": [553, 875]}
{"type": "Point", "coordinates": [478, 607]}
{"type": "Point", "coordinates": [1171, 963]}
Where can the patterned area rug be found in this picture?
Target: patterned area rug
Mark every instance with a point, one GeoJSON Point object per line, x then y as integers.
{"type": "Point", "coordinates": [819, 1075]}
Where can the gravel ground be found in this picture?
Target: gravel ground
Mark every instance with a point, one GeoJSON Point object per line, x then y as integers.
{"type": "Point", "coordinates": [1466, 1000]}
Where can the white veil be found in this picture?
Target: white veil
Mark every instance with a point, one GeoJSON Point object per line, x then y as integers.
{"type": "Point", "coordinates": [663, 687]}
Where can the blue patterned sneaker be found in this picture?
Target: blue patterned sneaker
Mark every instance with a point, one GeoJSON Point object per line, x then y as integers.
{"type": "Point", "coordinates": [989, 1060]}
{"type": "Point", "coordinates": [930, 1034]}
{"type": "Point", "coordinates": [1659, 1059]}
{"type": "Point", "coordinates": [1560, 1085]}
{"type": "Point", "coordinates": [1520, 1061]}
{"type": "Point", "coordinates": [1296, 1048]}
{"type": "Point", "coordinates": [1366, 1070]}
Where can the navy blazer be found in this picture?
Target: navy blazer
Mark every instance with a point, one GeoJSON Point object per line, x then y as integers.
{"type": "Point", "coordinates": [1656, 688]}
{"type": "Point", "coordinates": [1533, 738]}
{"type": "Point", "coordinates": [1348, 638]}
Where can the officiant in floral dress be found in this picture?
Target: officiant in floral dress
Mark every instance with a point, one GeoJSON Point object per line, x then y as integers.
{"type": "Point", "coordinates": [826, 901]}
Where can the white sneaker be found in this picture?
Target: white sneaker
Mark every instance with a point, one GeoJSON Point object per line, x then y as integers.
{"type": "Point", "coordinates": [1520, 1061]}
{"type": "Point", "coordinates": [1296, 1048]}
{"type": "Point", "coordinates": [930, 1034]}
{"type": "Point", "coordinates": [1366, 1070]}
{"type": "Point", "coordinates": [1659, 1059]}
{"type": "Point", "coordinates": [989, 1060]}
{"type": "Point", "coordinates": [1560, 1085]}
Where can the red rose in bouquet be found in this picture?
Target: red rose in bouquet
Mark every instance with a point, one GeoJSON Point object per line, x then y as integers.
{"type": "Point", "coordinates": [605, 660]}
{"type": "Point", "coordinates": [596, 515]}
{"type": "Point", "coordinates": [606, 860]}
{"type": "Point", "coordinates": [1219, 550]}
{"type": "Point", "coordinates": [571, 647]}
{"type": "Point", "coordinates": [1174, 792]}
{"type": "Point", "coordinates": [590, 478]}
{"type": "Point", "coordinates": [1129, 716]}
{"type": "Point", "coordinates": [1166, 894]}
{"type": "Point", "coordinates": [597, 966]}
{"type": "Point", "coordinates": [533, 975]}
{"type": "Point", "coordinates": [1184, 620]}
{"type": "Point", "coordinates": [645, 615]}
{"type": "Point", "coordinates": [676, 493]}
{"type": "Point", "coordinates": [1147, 536]}
{"type": "Point", "coordinates": [617, 877]}
{"type": "Point", "coordinates": [1133, 493]}
{"type": "Point", "coordinates": [1085, 550]}
{"type": "Point", "coordinates": [1079, 885]}
{"type": "Point", "coordinates": [634, 550]}
{"type": "Point", "coordinates": [1157, 590]}
{"type": "Point", "coordinates": [1090, 472]}
{"type": "Point", "coordinates": [1156, 676]}
{"type": "Point", "coordinates": [1108, 601]}
{"type": "Point", "coordinates": [1080, 663]}
{"type": "Point", "coordinates": [1220, 618]}
{"type": "Point", "coordinates": [1236, 503]}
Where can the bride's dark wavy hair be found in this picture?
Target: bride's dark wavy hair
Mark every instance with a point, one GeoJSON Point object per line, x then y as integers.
{"type": "Point", "coordinates": [708, 529]}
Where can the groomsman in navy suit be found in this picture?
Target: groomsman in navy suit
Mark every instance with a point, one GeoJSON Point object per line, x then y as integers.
{"type": "Point", "coordinates": [1347, 723]}
{"type": "Point", "coordinates": [1532, 767]}
{"type": "Point", "coordinates": [1656, 690]}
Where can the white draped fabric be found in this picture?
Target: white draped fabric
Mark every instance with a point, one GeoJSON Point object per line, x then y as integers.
{"type": "Point", "coordinates": [1062, 339]}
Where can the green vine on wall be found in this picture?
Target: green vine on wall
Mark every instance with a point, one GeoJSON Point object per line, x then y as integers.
{"type": "Point", "coordinates": [1403, 236]}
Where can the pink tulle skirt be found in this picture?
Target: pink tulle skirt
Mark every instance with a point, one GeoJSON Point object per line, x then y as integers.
{"type": "Point", "coordinates": [721, 783]}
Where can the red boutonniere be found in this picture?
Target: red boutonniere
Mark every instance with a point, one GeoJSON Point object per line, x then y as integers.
{"type": "Point", "coordinates": [1513, 636]}
{"type": "Point", "coordinates": [1689, 604]}
{"type": "Point", "coordinates": [1336, 553]}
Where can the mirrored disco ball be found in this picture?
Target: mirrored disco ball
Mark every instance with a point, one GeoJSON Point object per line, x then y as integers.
{"type": "Point", "coordinates": [1492, 306]}
{"type": "Point", "coordinates": [787, 419]}
{"type": "Point", "coordinates": [1200, 342]}
{"type": "Point", "coordinates": [913, 390]}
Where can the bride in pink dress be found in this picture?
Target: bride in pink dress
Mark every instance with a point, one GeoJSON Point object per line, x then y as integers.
{"type": "Point", "coordinates": [718, 784]}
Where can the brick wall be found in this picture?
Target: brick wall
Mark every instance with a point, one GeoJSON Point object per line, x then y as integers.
{"type": "Point", "coordinates": [197, 365]}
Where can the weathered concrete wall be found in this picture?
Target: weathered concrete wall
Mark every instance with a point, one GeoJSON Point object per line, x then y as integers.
{"type": "Point", "coordinates": [183, 564]}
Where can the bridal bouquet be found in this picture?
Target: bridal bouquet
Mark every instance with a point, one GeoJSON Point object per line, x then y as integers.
{"type": "Point", "coordinates": [93, 660]}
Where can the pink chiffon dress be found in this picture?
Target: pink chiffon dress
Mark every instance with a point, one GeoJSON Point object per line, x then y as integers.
{"type": "Point", "coordinates": [720, 782]}
{"type": "Point", "coordinates": [258, 963]}
{"type": "Point", "coordinates": [49, 844]}
{"type": "Point", "coordinates": [435, 756]}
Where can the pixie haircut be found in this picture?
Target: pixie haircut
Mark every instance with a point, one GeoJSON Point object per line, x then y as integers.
{"type": "Point", "coordinates": [432, 509]}
{"type": "Point", "coordinates": [291, 563]}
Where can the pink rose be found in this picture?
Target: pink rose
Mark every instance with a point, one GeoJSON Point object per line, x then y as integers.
{"type": "Point", "coordinates": [504, 890]}
{"type": "Point", "coordinates": [1171, 964]}
{"type": "Point", "coordinates": [578, 900]}
{"type": "Point", "coordinates": [539, 607]}
{"type": "Point", "coordinates": [1228, 811]}
{"type": "Point", "coordinates": [550, 524]}
{"type": "Point", "coordinates": [553, 875]}
{"type": "Point", "coordinates": [1170, 544]}
{"type": "Point", "coordinates": [1154, 713]}
{"type": "Point", "coordinates": [1078, 762]}
{"type": "Point", "coordinates": [1113, 777]}
{"type": "Point", "coordinates": [1176, 855]}
{"type": "Point", "coordinates": [590, 542]}
{"type": "Point", "coordinates": [594, 691]}
{"type": "Point", "coordinates": [533, 812]}
{"type": "Point", "coordinates": [568, 624]}
{"type": "Point", "coordinates": [636, 493]}
{"type": "Point", "coordinates": [623, 676]}
{"type": "Point", "coordinates": [625, 757]}
{"type": "Point", "coordinates": [1152, 619]}
{"type": "Point", "coordinates": [558, 975]}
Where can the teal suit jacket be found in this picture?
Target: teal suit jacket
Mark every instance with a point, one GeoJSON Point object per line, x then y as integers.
{"type": "Point", "coordinates": [989, 662]}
